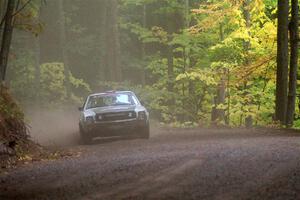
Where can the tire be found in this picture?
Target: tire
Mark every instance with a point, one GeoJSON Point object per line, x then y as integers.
{"type": "Point", "coordinates": [85, 138]}
{"type": "Point", "coordinates": [146, 132]}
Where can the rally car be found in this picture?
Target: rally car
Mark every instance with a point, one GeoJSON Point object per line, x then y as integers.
{"type": "Point", "coordinates": [113, 113]}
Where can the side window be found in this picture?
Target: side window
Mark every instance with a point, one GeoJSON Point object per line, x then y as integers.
{"type": "Point", "coordinates": [85, 102]}
{"type": "Point", "coordinates": [90, 102]}
{"type": "Point", "coordinates": [94, 101]}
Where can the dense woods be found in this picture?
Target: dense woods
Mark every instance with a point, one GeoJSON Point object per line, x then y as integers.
{"type": "Point", "coordinates": [193, 62]}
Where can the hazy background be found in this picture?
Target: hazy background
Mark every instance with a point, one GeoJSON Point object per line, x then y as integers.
{"type": "Point", "coordinates": [193, 62]}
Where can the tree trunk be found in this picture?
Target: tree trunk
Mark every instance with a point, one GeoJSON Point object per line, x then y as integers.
{"type": "Point", "coordinates": [143, 71]}
{"type": "Point", "coordinates": [112, 45]}
{"type": "Point", "coordinates": [221, 87]}
{"type": "Point", "coordinates": [219, 114]}
{"type": "Point", "coordinates": [227, 118]}
{"type": "Point", "coordinates": [37, 70]}
{"type": "Point", "coordinates": [170, 64]}
{"type": "Point", "coordinates": [293, 64]}
{"type": "Point", "coordinates": [170, 55]}
{"type": "Point", "coordinates": [6, 38]}
{"type": "Point", "coordinates": [247, 17]}
{"type": "Point", "coordinates": [103, 70]}
{"type": "Point", "coordinates": [62, 23]}
{"type": "Point", "coordinates": [186, 64]}
{"type": "Point", "coordinates": [282, 61]}
{"type": "Point", "coordinates": [170, 68]}
{"type": "Point", "coordinates": [3, 7]}
{"type": "Point", "coordinates": [221, 96]}
{"type": "Point", "coordinates": [191, 87]}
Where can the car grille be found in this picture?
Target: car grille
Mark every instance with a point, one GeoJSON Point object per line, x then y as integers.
{"type": "Point", "coordinates": [116, 116]}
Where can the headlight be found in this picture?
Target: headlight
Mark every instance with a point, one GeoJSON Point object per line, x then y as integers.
{"type": "Point", "coordinates": [132, 114]}
{"type": "Point", "coordinates": [89, 119]}
{"type": "Point", "coordinates": [141, 115]}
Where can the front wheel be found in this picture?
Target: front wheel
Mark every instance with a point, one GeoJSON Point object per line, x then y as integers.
{"type": "Point", "coordinates": [145, 133]}
{"type": "Point", "coordinates": [85, 138]}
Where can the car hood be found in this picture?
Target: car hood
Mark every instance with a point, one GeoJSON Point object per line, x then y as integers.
{"type": "Point", "coordinates": [112, 109]}
{"type": "Point", "coordinates": [100, 110]}
{"type": "Point", "coordinates": [109, 109]}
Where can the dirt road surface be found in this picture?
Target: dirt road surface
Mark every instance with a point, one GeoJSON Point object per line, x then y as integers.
{"type": "Point", "coordinates": [172, 164]}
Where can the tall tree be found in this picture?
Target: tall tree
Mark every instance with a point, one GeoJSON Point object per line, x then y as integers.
{"type": "Point", "coordinates": [37, 75]}
{"type": "Point", "coordinates": [293, 63]}
{"type": "Point", "coordinates": [218, 114]}
{"type": "Point", "coordinates": [247, 17]}
{"type": "Point", "coordinates": [3, 7]}
{"type": "Point", "coordinates": [170, 57]}
{"type": "Point", "coordinates": [62, 24]}
{"type": "Point", "coordinates": [282, 61]}
{"type": "Point", "coordinates": [170, 52]}
{"type": "Point", "coordinates": [6, 37]}
{"type": "Point", "coordinates": [112, 43]}
{"type": "Point", "coordinates": [103, 71]}
{"type": "Point", "coordinates": [143, 71]}
{"type": "Point", "coordinates": [50, 45]}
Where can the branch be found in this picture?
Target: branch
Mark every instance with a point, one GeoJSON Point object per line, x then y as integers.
{"type": "Point", "coordinates": [3, 19]}
{"type": "Point", "coordinates": [18, 11]}
{"type": "Point", "coordinates": [18, 3]}
{"type": "Point", "coordinates": [24, 5]}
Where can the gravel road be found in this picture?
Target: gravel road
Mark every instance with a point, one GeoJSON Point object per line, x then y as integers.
{"type": "Point", "coordinates": [172, 164]}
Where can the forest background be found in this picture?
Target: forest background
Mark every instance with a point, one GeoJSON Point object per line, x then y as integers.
{"type": "Point", "coordinates": [192, 62]}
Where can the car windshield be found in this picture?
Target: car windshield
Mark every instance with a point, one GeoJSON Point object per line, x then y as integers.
{"type": "Point", "coordinates": [111, 99]}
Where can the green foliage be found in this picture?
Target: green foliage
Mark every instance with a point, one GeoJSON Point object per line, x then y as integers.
{"type": "Point", "coordinates": [9, 108]}
{"type": "Point", "coordinates": [12, 125]}
{"type": "Point", "coordinates": [51, 89]}
{"type": "Point", "coordinates": [21, 75]}
{"type": "Point", "coordinates": [26, 18]}
{"type": "Point", "coordinates": [52, 82]}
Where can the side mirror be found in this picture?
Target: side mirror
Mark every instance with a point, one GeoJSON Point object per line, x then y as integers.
{"type": "Point", "coordinates": [142, 103]}
{"type": "Point", "coordinates": [80, 108]}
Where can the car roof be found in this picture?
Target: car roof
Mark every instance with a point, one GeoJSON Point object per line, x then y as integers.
{"type": "Point", "coordinates": [109, 92]}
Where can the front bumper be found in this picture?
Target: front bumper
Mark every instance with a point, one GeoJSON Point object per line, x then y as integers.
{"type": "Point", "coordinates": [115, 128]}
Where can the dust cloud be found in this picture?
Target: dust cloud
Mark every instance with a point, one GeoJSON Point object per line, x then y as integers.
{"type": "Point", "coordinates": [54, 127]}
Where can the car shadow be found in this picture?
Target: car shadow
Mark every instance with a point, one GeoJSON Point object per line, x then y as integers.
{"type": "Point", "coordinates": [104, 140]}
